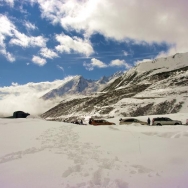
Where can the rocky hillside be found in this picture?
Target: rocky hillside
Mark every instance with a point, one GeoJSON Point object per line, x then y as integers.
{"type": "Point", "coordinates": [153, 87]}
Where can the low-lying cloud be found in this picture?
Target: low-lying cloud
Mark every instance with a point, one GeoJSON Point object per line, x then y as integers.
{"type": "Point", "coordinates": [28, 97]}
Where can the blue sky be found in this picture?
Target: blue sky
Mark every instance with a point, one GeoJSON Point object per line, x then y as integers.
{"type": "Point", "coordinates": [45, 40]}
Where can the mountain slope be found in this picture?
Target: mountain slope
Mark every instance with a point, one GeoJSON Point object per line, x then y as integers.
{"type": "Point", "coordinates": [152, 71]}
{"type": "Point", "coordinates": [153, 87]}
{"type": "Point", "coordinates": [78, 85]}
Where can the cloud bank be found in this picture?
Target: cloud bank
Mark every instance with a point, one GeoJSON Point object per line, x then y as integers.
{"type": "Point", "coordinates": [27, 97]}
{"type": "Point", "coordinates": [123, 20]}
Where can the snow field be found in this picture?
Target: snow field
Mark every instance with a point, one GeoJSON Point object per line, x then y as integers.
{"type": "Point", "coordinates": [38, 153]}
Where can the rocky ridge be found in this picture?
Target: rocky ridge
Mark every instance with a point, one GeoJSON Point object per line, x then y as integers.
{"type": "Point", "coordinates": [153, 87]}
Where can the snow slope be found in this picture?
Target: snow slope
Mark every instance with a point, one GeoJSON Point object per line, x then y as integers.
{"type": "Point", "coordinates": [37, 153]}
{"type": "Point", "coordinates": [152, 87]}
{"type": "Point", "coordinates": [159, 65]}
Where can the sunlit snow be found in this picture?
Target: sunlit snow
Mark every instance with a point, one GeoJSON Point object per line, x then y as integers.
{"type": "Point", "coordinates": [35, 153]}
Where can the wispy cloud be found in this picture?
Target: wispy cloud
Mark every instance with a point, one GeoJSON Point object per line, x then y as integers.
{"type": "Point", "coordinates": [38, 60]}
{"type": "Point", "coordinates": [6, 31]}
{"type": "Point", "coordinates": [61, 68]}
{"type": "Point", "coordinates": [125, 53]}
{"type": "Point", "coordinates": [29, 25]}
{"type": "Point", "coordinates": [7, 55]}
{"type": "Point", "coordinates": [10, 33]}
{"type": "Point", "coordinates": [99, 64]}
{"type": "Point", "coordinates": [10, 2]}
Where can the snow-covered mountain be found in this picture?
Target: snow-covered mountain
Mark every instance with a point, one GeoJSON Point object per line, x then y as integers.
{"type": "Point", "coordinates": [152, 71]}
{"type": "Point", "coordinates": [29, 97]}
{"type": "Point", "coordinates": [154, 87]}
{"type": "Point", "coordinates": [78, 85]}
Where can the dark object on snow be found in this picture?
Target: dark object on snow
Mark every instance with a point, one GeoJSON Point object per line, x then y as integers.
{"type": "Point", "coordinates": [90, 120]}
{"type": "Point", "coordinates": [128, 121]}
{"type": "Point", "coordinates": [97, 122]}
{"type": "Point", "coordinates": [149, 121]}
{"type": "Point", "coordinates": [19, 114]}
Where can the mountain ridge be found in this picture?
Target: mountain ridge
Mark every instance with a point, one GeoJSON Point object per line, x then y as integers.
{"type": "Point", "coordinates": [153, 87]}
{"type": "Point", "coordinates": [78, 85]}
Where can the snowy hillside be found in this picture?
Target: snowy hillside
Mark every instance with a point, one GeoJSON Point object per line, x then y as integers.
{"type": "Point", "coordinates": [150, 72]}
{"type": "Point", "coordinates": [76, 85]}
{"type": "Point", "coordinates": [153, 87]}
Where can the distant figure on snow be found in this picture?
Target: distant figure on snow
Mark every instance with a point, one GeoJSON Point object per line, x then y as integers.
{"type": "Point", "coordinates": [90, 120]}
{"type": "Point", "coordinates": [149, 121]}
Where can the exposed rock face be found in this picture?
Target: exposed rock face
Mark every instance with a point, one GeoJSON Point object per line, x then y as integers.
{"type": "Point", "coordinates": [155, 87]}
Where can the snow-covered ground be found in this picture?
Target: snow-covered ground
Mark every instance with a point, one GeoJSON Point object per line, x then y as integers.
{"type": "Point", "coordinates": [35, 153]}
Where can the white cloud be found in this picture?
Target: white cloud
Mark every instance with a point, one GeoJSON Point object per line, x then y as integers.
{"type": "Point", "coordinates": [7, 55]}
{"type": "Point", "coordinates": [14, 84]}
{"type": "Point", "coordinates": [23, 40]}
{"type": "Point", "coordinates": [29, 25]}
{"type": "Point", "coordinates": [8, 26]}
{"type": "Point", "coordinates": [94, 63]}
{"type": "Point", "coordinates": [10, 2]}
{"type": "Point", "coordinates": [100, 64]}
{"type": "Point", "coordinates": [38, 60]}
{"type": "Point", "coordinates": [6, 31]}
{"type": "Point", "coordinates": [9, 30]}
{"type": "Point", "coordinates": [146, 20]}
{"type": "Point", "coordinates": [47, 53]}
{"type": "Point", "coordinates": [17, 38]}
{"type": "Point", "coordinates": [78, 45]}
{"type": "Point", "coordinates": [119, 63]}
{"type": "Point", "coordinates": [2, 38]}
